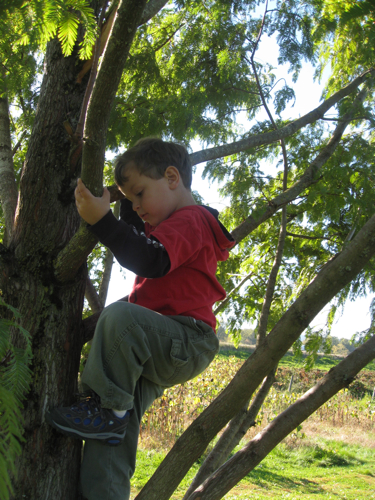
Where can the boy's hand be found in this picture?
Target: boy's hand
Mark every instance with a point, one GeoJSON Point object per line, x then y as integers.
{"type": "Point", "coordinates": [91, 208]}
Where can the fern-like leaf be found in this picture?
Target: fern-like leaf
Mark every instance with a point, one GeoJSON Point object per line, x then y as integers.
{"type": "Point", "coordinates": [15, 379]}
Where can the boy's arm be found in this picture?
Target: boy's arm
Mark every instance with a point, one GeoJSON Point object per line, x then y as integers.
{"type": "Point", "coordinates": [144, 256]}
{"type": "Point", "coordinates": [133, 250]}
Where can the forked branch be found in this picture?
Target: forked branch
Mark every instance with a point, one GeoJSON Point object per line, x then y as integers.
{"type": "Point", "coordinates": [264, 212]}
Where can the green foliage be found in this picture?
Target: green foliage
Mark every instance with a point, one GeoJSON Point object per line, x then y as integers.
{"type": "Point", "coordinates": [46, 18]}
{"type": "Point", "coordinates": [64, 18]}
{"type": "Point", "coordinates": [15, 378]}
{"type": "Point", "coordinates": [344, 33]}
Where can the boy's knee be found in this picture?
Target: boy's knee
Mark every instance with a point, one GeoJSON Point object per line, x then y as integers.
{"type": "Point", "coordinates": [114, 315]}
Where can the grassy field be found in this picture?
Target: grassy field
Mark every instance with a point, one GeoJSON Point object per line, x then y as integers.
{"type": "Point", "coordinates": [332, 456]}
{"type": "Point", "coordinates": [318, 469]}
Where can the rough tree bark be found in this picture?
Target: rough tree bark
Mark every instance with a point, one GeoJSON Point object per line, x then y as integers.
{"type": "Point", "coordinates": [46, 220]}
{"type": "Point", "coordinates": [51, 309]}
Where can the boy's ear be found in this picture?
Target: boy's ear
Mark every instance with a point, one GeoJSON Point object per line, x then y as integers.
{"type": "Point", "coordinates": [173, 177]}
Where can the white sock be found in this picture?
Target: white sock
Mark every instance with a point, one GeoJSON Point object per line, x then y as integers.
{"type": "Point", "coordinates": [119, 413]}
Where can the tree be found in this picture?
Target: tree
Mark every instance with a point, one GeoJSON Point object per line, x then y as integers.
{"type": "Point", "coordinates": [183, 70]}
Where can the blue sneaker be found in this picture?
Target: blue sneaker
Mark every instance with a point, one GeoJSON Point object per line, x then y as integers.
{"type": "Point", "coordinates": [86, 419]}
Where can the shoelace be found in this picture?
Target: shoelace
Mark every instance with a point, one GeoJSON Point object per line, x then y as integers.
{"type": "Point", "coordinates": [87, 401]}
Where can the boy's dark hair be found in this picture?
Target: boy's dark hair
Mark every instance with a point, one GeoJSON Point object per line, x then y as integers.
{"type": "Point", "coordinates": [152, 156]}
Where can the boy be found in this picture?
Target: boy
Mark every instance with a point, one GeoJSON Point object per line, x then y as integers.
{"type": "Point", "coordinates": [164, 335]}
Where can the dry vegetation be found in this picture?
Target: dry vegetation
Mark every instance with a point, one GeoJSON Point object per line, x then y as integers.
{"type": "Point", "coordinates": [349, 416]}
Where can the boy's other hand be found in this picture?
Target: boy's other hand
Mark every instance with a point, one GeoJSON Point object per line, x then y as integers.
{"type": "Point", "coordinates": [89, 207]}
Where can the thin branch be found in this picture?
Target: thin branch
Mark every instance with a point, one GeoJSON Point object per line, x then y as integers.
{"type": "Point", "coordinates": [169, 38]}
{"type": "Point", "coordinates": [305, 237]}
{"type": "Point", "coordinates": [92, 297]}
{"type": "Point", "coordinates": [263, 213]}
{"type": "Point", "coordinates": [282, 133]}
{"type": "Point", "coordinates": [222, 304]}
{"type": "Point", "coordinates": [90, 85]}
{"type": "Point", "coordinates": [354, 119]}
{"type": "Point", "coordinates": [108, 264]}
{"type": "Point", "coordinates": [18, 145]}
{"type": "Point", "coordinates": [271, 283]}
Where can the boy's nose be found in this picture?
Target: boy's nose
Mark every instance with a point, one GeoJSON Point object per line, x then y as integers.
{"type": "Point", "coordinates": [135, 205]}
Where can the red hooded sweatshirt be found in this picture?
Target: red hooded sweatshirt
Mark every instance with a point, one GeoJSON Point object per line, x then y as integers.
{"type": "Point", "coordinates": [195, 241]}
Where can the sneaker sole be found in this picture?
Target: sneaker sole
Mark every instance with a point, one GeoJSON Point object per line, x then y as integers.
{"type": "Point", "coordinates": [109, 438]}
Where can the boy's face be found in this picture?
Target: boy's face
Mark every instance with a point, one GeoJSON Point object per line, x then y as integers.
{"type": "Point", "coordinates": [154, 200]}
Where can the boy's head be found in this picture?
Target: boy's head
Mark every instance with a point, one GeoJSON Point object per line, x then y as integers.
{"type": "Point", "coordinates": [151, 157]}
{"type": "Point", "coordinates": [156, 177]}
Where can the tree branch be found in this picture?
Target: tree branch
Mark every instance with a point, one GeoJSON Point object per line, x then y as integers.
{"type": "Point", "coordinates": [234, 432]}
{"type": "Point", "coordinates": [261, 214]}
{"type": "Point", "coordinates": [305, 237]}
{"type": "Point", "coordinates": [227, 298]}
{"type": "Point", "coordinates": [8, 186]}
{"type": "Point", "coordinates": [329, 281]}
{"type": "Point", "coordinates": [116, 53]}
{"type": "Point", "coordinates": [92, 297]}
{"type": "Point", "coordinates": [271, 283]}
{"type": "Point", "coordinates": [308, 178]}
{"type": "Point", "coordinates": [19, 142]}
{"type": "Point", "coordinates": [253, 453]}
{"type": "Point", "coordinates": [282, 133]}
{"type": "Point", "coordinates": [108, 264]}
{"type": "Point", "coordinates": [151, 9]}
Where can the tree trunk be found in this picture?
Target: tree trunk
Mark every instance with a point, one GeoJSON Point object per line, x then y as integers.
{"type": "Point", "coordinates": [46, 220]}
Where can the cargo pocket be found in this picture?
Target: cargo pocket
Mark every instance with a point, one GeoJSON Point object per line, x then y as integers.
{"type": "Point", "coordinates": [175, 351]}
{"type": "Point", "coordinates": [182, 369]}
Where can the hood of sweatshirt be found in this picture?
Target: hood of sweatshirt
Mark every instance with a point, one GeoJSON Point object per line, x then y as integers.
{"type": "Point", "coordinates": [223, 240]}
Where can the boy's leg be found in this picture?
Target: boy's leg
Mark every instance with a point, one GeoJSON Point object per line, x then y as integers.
{"type": "Point", "coordinates": [131, 341]}
{"type": "Point", "coordinates": [106, 470]}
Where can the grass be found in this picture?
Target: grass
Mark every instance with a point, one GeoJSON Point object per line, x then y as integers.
{"type": "Point", "coordinates": [324, 362]}
{"type": "Point", "coordinates": [333, 456]}
{"type": "Point", "coordinates": [317, 469]}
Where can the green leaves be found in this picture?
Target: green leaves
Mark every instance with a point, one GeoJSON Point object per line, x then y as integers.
{"type": "Point", "coordinates": [64, 18]}
{"type": "Point", "coordinates": [40, 20]}
{"type": "Point", "coordinates": [15, 378]}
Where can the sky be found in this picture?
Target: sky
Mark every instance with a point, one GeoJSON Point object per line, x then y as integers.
{"type": "Point", "coordinates": [355, 317]}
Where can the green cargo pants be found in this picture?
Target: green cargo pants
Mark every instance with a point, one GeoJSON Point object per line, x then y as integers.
{"type": "Point", "coordinates": [136, 353]}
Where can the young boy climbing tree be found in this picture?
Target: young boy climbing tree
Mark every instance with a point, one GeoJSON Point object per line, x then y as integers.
{"type": "Point", "coordinates": [165, 334]}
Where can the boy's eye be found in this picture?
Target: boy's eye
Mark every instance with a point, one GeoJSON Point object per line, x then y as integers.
{"type": "Point", "coordinates": [139, 194]}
